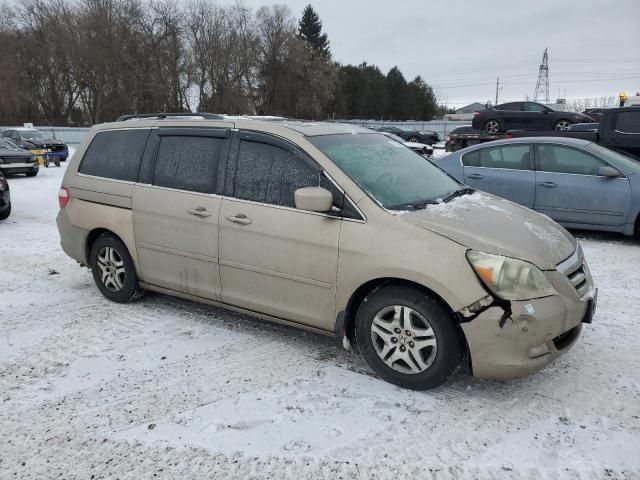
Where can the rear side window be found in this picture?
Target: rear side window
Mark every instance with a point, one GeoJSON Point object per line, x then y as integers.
{"type": "Point", "coordinates": [558, 159]}
{"type": "Point", "coordinates": [515, 106]}
{"type": "Point", "coordinates": [189, 163]}
{"type": "Point", "coordinates": [513, 157]}
{"type": "Point", "coordinates": [628, 122]}
{"type": "Point", "coordinates": [267, 173]}
{"type": "Point", "coordinates": [115, 154]}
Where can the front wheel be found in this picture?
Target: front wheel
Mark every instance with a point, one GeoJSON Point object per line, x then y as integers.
{"type": "Point", "coordinates": [407, 337]}
{"type": "Point", "coordinates": [414, 140]}
{"type": "Point", "coordinates": [562, 125]}
{"type": "Point", "coordinates": [4, 215]}
{"type": "Point", "coordinates": [113, 269]}
{"type": "Point", "coordinates": [492, 126]}
{"type": "Point", "coordinates": [32, 173]}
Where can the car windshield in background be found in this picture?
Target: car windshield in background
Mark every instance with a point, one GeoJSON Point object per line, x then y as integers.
{"type": "Point", "coordinates": [31, 134]}
{"type": "Point", "coordinates": [6, 145]}
{"type": "Point", "coordinates": [395, 137]}
{"type": "Point", "coordinates": [393, 175]}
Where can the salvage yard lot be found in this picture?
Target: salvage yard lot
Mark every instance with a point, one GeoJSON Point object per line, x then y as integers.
{"type": "Point", "coordinates": [165, 388]}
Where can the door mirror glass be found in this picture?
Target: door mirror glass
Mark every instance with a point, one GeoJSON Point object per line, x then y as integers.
{"type": "Point", "coordinates": [313, 199]}
{"type": "Point", "coordinates": [608, 171]}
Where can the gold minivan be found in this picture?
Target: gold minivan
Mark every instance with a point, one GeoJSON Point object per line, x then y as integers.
{"type": "Point", "coordinates": [329, 227]}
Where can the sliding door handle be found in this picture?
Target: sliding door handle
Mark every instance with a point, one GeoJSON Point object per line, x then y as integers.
{"type": "Point", "coordinates": [475, 176]}
{"type": "Point", "coordinates": [240, 218]}
{"type": "Point", "coordinates": [548, 184]}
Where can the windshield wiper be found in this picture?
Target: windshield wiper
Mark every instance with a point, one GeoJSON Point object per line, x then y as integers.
{"type": "Point", "coordinates": [417, 205]}
{"type": "Point", "coordinates": [458, 193]}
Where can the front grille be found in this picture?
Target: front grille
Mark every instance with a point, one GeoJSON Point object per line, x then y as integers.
{"type": "Point", "coordinates": [9, 160]}
{"type": "Point", "coordinates": [577, 272]}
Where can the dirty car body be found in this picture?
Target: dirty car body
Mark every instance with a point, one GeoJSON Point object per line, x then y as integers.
{"type": "Point", "coordinates": [362, 239]}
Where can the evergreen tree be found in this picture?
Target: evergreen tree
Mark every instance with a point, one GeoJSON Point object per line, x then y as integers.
{"type": "Point", "coordinates": [310, 30]}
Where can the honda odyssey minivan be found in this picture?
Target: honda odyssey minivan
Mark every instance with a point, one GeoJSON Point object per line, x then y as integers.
{"type": "Point", "coordinates": [328, 227]}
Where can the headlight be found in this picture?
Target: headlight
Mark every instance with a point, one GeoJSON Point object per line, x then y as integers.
{"type": "Point", "coordinates": [509, 278]}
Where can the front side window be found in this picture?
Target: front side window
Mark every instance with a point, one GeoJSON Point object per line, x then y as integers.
{"type": "Point", "coordinates": [268, 173]}
{"type": "Point", "coordinates": [628, 122]}
{"type": "Point", "coordinates": [115, 154]}
{"type": "Point", "coordinates": [560, 159]}
{"type": "Point", "coordinates": [514, 106]}
{"type": "Point", "coordinates": [512, 157]}
{"type": "Point", "coordinates": [189, 162]}
{"type": "Point", "coordinates": [389, 172]}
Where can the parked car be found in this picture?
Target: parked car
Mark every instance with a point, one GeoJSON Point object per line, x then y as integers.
{"type": "Point", "coordinates": [524, 115]}
{"type": "Point", "coordinates": [17, 160]}
{"type": "Point", "coordinates": [594, 113]}
{"type": "Point", "coordinates": [37, 142]}
{"type": "Point", "coordinates": [465, 136]}
{"type": "Point", "coordinates": [410, 135]}
{"type": "Point", "coordinates": [5, 197]}
{"type": "Point", "coordinates": [619, 129]}
{"type": "Point", "coordinates": [578, 183]}
{"type": "Point", "coordinates": [420, 148]}
{"type": "Point", "coordinates": [250, 215]}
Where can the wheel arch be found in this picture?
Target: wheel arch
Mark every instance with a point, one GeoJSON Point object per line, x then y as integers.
{"type": "Point", "coordinates": [95, 234]}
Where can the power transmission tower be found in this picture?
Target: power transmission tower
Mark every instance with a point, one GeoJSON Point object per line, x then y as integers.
{"type": "Point", "coordinates": [542, 87]}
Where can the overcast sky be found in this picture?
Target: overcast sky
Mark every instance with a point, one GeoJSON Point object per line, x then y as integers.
{"type": "Point", "coordinates": [460, 47]}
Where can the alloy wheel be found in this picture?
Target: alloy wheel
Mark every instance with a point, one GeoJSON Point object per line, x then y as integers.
{"type": "Point", "coordinates": [492, 126]}
{"type": "Point", "coordinates": [112, 271]}
{"type": "Point", "coordinates": [562, 125]}
{"type": "Point", "coordinates": [404, 339]}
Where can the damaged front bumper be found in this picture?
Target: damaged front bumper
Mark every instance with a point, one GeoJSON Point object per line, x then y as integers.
{"type": "Point", "coordinates": [517, 338]}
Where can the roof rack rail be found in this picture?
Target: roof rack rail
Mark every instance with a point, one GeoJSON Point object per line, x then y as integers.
{"type": "Point", "coordinates": [160, 116]}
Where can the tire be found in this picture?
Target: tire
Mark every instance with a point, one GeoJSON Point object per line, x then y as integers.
{"type": "Point", "coordinates": [492, 126]}
{"type": "Point", "coordinates": [32, 173]}
{"type": "Point", "coordinates": [113, 270]}
{"type": "Point", "coordinates": [562, 125]}
{"type": "Point", "coordinates": [414, 140]}
{"type": "Point", "coordinates": [382, 332]}
{"type": "Point", "coordinates": [4, 215]}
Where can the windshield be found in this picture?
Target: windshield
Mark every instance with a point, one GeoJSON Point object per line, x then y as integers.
{"type": "Point", "coordinates": [390, 173]}
{"type": "Point", "coordinates": [30, 134]}
{"type": "Point", "coordinates": [620, 159]}
{"type": "Point", "coordinates": [6, 145]}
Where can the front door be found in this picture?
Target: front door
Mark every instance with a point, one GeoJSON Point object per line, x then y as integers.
{"type": "Point", "coordinates": [569, 190]}
{"type": "Point", "coordinates": [274, 258]}
{"type": "Point", "coordinates": [504, 171]}
{"type": "Point", "coordinates": [175, 216]}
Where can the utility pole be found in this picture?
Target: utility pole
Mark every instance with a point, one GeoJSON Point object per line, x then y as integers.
{"type": "Point", "coordinates": [497, 90]}
{"type": "Point", "coordinates": [542, 86]}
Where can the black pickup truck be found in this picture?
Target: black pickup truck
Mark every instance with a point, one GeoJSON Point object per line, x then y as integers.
{"type": "Point", "coordinates": [619, 129]}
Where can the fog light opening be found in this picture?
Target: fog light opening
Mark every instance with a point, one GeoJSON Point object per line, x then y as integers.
{"type": "Point", "coordinates": [539, 350]}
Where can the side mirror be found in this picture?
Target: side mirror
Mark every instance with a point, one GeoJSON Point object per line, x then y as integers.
{"type": "Point", "coordinates": [313, 199]}
{"type": "Point", "coordinates": [609, 172]}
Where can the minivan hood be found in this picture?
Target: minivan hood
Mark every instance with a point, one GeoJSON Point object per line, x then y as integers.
{"type": "Point", "coordinates": [490, 224]}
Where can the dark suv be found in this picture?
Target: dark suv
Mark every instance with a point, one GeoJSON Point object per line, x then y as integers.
{"type": "Point", "coordinates": [525, 116]}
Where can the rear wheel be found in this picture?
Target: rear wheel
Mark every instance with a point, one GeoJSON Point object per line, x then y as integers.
{"type": "Point", "coordinates": [113, 269]}
{"type": "Point", "coordinates": [407, 337]}
{"type": "Point", "coordinates": [414, 139]}
{"type": "Point", "coordinates": [492, 126]}
{"type": "Point", "coordinates": [562, 125]}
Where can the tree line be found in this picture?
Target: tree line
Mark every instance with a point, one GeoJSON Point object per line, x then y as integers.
{"type": "Point", "coordinates": [81, 62]}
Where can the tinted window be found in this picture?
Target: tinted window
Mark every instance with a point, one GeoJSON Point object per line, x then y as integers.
{"type": "Point", "coordinates": [270, 174]}
{"type": "Point", "coordinates": [115, 154]}
{"type": "Point", "coordinates": [555, 158]}
{"type": "Point", "coordinates": [517, 106]}
{"type": "Point", "coordinates": [534, 107]}
{"type": "Point", "coordinates": [189, 163]}
{"type": "Point", "coordinates": [628, 122]}
{"type": "Point", "coordinates": [514, 157]}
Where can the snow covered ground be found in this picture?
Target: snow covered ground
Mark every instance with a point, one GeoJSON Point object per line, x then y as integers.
{"type": "Point", "coordinates": [165, 388]}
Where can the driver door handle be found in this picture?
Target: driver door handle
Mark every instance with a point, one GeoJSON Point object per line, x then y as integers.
{"type": "Point", "coordinates": [240, 218]}
{"type": "Point", "coordinates": [199, 212]}
{"type": "Point", "coordinates": [548, 184]}
{"type": "Point", "coordinates": [476, 176]}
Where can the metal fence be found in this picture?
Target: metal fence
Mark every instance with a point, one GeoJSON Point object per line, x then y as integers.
{"type": "Point", "coordinates": [440, 126]}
